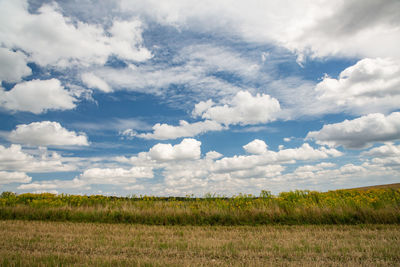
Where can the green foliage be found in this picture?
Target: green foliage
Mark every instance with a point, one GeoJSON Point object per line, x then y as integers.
{"type": "Point", "coordinates": [294, 207]}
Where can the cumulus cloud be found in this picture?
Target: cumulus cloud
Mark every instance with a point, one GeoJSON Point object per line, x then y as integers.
{"type": "Point", "coordinates": [128, 134]}
{"type": "Point", "coordinates": [386, 150]}
{"type": "Point", "coordinates": [284, 156]}
{"type": "Point", "coordinates": [52, 39]}
{"type": "Point", "coordinates": [307, 152]}
{"type": "Point", "coordinates": [92, 81]}
{"type": "Point", "coordinates": [109, 176]}
{"type": "Point", "coordinates": [37, 96]}
{"type": "Point", "coordinates": [324, 28]}
{"type": "Point", "coordinates": [371, 85]}
{"type": "Point", "coordinates": [351, 28]}
{"type": "Point", "coordinates": [256, 172]}
{"type": "Point", "coordinates": [185, 171]}
{"type": "Point", "coordinates": [14, 159]}
{"type": "Point", "coordinates": [233, 174]}
{"type": "Point", "coordinates": [46, 133]}
{"type": "Point", "coordinates": [115, 175]}
{"type": "Point", "coordinates": [242, 109]}
{"type": "Point", "coordinates": [361, 132]}
{"type": "Point", "coordinates": [54, 184]}
{"type": "Point", "coordinates": [185, 129]}
{"type": "Point", "coordinates": [14, 177]}
{"type": "Point", "coordinates": [135, 187]}
{"type": "Point", "coordinates": [126, 41]}
{"type": "Point", "coordinates": [386, 155]}
{"type": "Point", "coordinates": [256, 147]}
{"type": "Point", "coordinates": [213, 155]}
{"type": "Point", "coordinates": [317, 167]}
{"type": "Point", "coordinates": [188, 149]}
{"type": "Point", "coordinates": [13, 65]}
{"type": "Point", "coordinates": [328, 173]}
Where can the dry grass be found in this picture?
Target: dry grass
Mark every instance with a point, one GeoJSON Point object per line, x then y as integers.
{"type": "Point", "coordinates": [382, 186]}
{"type": "Point", "coordinates": [24, 243]}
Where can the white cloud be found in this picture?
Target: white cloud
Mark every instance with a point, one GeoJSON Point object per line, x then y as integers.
{"type": "Point", "coordinates": [108, 176]}
{"type": "Point", "coordinates": [386, 155]}
{"type": "Point", "coordinates": [371, 85]}
{"type": "Point", "coordinates": [387, 161]}
{"type": "Point", "coordinates": [238, 173]}
{"type": "Point", "coordinates": [202, 107]}
{"type": "Point", "coordinates": [351, 169]}
{"type": "Point", "coordinates": [213, 155]}
{"type": "Point", "coordinates": [128, 134]}
{"type": "Point", "coordinates": [317, 167]}
{"type": "Point", "coordinates": [185, 129]}
{"type": "Point", "coordinates": [215, 58]}
{"type": "Point", "coordinates": [192, 67]}
{"type": "Point", "coordinates": [37, 96]}
{"type": "Point", "coordinates": [157, 79]}
{"type": "Point", "coordinates": [284, 156]}
{"type": "Point", "coordinates": [306, 152]}
{"type": "Point", "coordinates": [135, 187]}
{"type": "Point", "coordinates": [386, 150]}
{"type": "Point", "coordinates": [14, 177]}
{"type": "Point", "coordinates": [352, 28]}
{"type": "Point", "coordinates": [92, 81]}
{"type": "Point", "coordinates": [256, 147]}
{"type": "Point", "coordinates": [126, 41]}
{"type": "Point", "coordinates": [361, 132]}
{"type": "Point", "coordinates": [115, 175]}
{"type": "Point", "coordinates": [54, 184]}
{"type": "Point", "coordinates": [13, 65]}
{"type": "Point", "coordinates": [52, 39]}
{"type": "Point", "coordinates": [46, 133]}
{"type": "Point", "coordinates": [114, 124]}
{"type": "Point", "coordinates": [253, 129]}
{"type": "Point", "coordinates": [256, 172]}
{"type": "Point", "coordinates": [14, 159]}
{"type": "Point", "coordinates": [242, 109]}
{"type": "Point", "coordinates": [188, 149]}
{"type": "Point", "coordinates": [55, 192]}
{"type": "Point", "coordinates": [326, 174]}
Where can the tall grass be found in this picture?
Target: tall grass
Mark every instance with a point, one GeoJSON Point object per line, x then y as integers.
{"type": "Point", "coordinates": [295, 207]}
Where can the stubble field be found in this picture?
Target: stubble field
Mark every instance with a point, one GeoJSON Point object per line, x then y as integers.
{"type": "Point", "coordinates": [37, 243]}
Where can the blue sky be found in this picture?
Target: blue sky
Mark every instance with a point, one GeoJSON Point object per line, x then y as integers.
{"type": "Point", "coordinates": [186, 97]}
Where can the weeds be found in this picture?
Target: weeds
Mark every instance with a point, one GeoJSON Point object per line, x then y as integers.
{"type": "Point", "coordinates": [295, 207]}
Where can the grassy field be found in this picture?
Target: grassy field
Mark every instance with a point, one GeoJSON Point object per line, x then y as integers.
{"type": "Point", "coordinates": [381, 186]}
{"type": "Point", "coordinates": [381, 206]}
{"type": "Point", "coordinates": [356, 227]}
{"type": "Point", "coordinates": [24, 243]}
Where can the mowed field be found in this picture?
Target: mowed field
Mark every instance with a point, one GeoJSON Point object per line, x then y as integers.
{"type": "Point", "coordinates": [38, 243]}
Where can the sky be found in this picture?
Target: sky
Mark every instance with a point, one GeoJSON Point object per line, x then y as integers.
{"type": "Point", "coordinates": [183, 97]}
